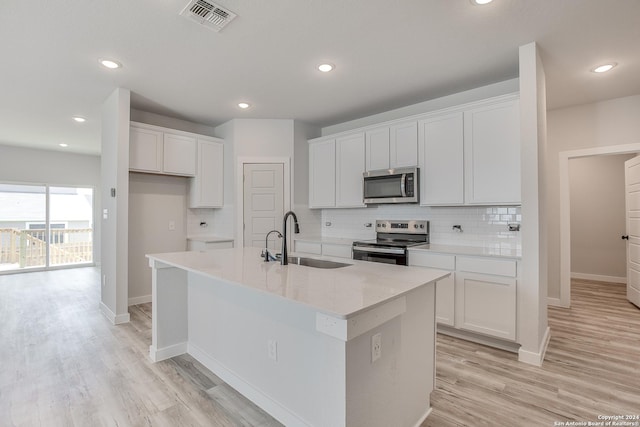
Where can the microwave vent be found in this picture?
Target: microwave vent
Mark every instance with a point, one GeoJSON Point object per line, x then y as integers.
{"type": "Point", "coordinates": [208, 14]}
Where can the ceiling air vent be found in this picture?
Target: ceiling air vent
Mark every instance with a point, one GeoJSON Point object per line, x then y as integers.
{"type": "Point", "coordinates": [209, 14]}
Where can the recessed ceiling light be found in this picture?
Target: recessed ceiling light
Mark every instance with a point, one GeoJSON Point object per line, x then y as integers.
{"type": "Point", "coordinates": [79, 119]}
{"type": "Point", "coordinates": [244, 105]}
{"type": "Point", "coordinates": [481, 2]}
{"type": "Point", "coordinates": [63, 145]}
{"type": "Point", "coordinates": [603, 68]}
{"type": "Point", "coordinates": [109, 63]}
{"type": "Point", "coordinates": [325, 68]}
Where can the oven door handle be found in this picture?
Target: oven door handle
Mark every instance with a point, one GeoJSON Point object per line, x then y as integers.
{"type": "Point", "coordinates": [403, 180]}
{"type": "Point", "coordinates": [379, 250]}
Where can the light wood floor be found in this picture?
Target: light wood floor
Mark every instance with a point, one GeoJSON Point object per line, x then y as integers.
{"type": "Point", "coordinates": [63, 364]}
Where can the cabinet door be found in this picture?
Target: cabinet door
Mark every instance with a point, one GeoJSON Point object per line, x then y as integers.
{"type": "Point", "coordinates": [441, 143]}
{"type": "Point", "coordinates": [486, 304]}
{"type": "Point", "coordinates": [403, 145]}
{"type": "Point", "coordinates": [145, 150]}
{"type": "Point", "coordinates": [322, 174]}
{"type": "Point", "coordinates": [206, 189]}
{"type": "Point", "coordinates": [337, 250]}
{"type": "Point", "coordinates": [492, 154]}
{"type": "Point", "coordinates": [349, 170]}
{"type": "Point", "coordinates": [179, 155]}
{"type": "Point", "coordinates": [377, 149]}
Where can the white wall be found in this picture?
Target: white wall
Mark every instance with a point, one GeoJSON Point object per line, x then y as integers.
{"type": "Point", "coordinates": [154, 201]}
{"type": "Point", "coordinates": [115, 175]}
{"type": "Point", "coordinates": [598, 216]}
{"type": "Point", "coordinates": [601, 124]}
{"type": "Point", "coordinates": [27, 165]}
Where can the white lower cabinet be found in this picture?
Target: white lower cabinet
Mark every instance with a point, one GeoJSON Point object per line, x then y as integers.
{"type": "Point", "coordinates": [486, 296]}
{"type": "Point", "coordinates": [198, 245]}
{"type": "Point", "coordinates": [307, 247]}
{"type": "Point", "coordinates": [339, 250]}
{"type": "Point", "coordinates": [479, 296]}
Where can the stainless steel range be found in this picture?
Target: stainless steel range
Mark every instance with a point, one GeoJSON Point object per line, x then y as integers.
{"type": "Point", "coordinates": [392, 242]}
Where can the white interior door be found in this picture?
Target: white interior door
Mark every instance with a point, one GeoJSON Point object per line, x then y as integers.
{"type": "Point", "coordinates": [632, 198]}
{"type": "Point", "coordinates": [263, 203]}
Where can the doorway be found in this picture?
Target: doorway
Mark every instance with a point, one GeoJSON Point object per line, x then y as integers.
{"type": "Point", "coordinates": [251, 228]}
{"type": "Point", "coordinates": [565, 211]}
{"type": "Point", "coordinates": [43, 226]}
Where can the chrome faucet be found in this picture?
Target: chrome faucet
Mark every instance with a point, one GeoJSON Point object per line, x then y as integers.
{"type": "Point", "coordinates": [265, 254]}
{"type": "Point", "coordinates": [284, 258]}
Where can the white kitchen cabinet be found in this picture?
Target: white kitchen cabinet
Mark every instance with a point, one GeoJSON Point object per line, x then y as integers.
{"type": "Point", "coordinates": [350, 158]}
{"type": "Point", "coordinates": [206, 189]}
{"type": "Point", "coordinates": [403, 145]}
{"type": "Point", "coordinates": [377, 148]}
{"type": "Point", "coordinates": [179, 154]}
{"type": "Point", "coordinates": [153, 149]}
{"type": "Point", "coordinates": [322, 174]}
{"type": "Point", "coordinates": [392, 146]}
{"type": "Point", "coordinates": [145, 150]}
{"type": "Point", "coordinates": [492, 153]}
{"type": "Point", "coordinates": [336, 250]}
{"type": "Point", "coordinates": [201, 245]}
{"type": "Point", "coordinates": [340, 250]}
{"type": "Point", "coordinates": [313, 248]}
{"type": "Point", "coordinates": [445, 288]}
{"type": "Point", "coordinates": [441, 154]}
{"type": "Point", "coordinates": [486, 296]}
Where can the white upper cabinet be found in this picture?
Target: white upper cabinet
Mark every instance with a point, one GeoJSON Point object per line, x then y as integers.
{"type": "Point", "coordinates": [154, 149]}
{"type": "Point", "coordinates": [145, 150]}
{"type": "Point", "coordinates": [206, 188]}
{"type": "Point", "coordinates": [350, 158]}
{"type": "Point", "coordinates": [392, 146]}
{"type": "Point", "coordinates": [441, 145]}
{"type": "Point", "coordinates": [492, 153]}
{"type": "Point", "coordinates": [322, 174]}
{"type": "Point", "coordinates": [403, 145]}
{"type": "Point", "coordinates": [377, 148]}
{"type": "Point", "coordinates": [179, 155]}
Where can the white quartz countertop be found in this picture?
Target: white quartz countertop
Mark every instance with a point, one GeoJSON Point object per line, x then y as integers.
{"type": "Point", "coordinates": [321, 239]}
{"type": "Point", "coordinates": [340, 292]}
{"type": "Point", "coordinates": [469, 250]}
{"type": "Point", "coordinates": [208, 238]}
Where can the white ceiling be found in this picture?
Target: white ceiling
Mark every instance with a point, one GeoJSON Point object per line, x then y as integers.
{"type": "Point", "coordinates": [387, 54]}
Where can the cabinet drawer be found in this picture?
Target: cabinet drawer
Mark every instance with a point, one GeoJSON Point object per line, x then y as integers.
{"type": "Point", "coordinates": [498, 267]}
{"type": "Point", "coordinates": [308, 247]}
{"type": "Point", "coordinates": [342, 251]}
{"type": "Point", "coordinates": [425, 259]}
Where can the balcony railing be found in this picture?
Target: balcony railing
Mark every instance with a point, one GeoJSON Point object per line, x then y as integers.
{"type": "Point", "coordinates": [28, 248]}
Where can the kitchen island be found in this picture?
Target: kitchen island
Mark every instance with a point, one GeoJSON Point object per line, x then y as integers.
{"type": "Point", "coordinates": [350, 346]}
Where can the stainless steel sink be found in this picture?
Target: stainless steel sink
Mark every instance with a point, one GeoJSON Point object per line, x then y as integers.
{"type": "Point", "coordinates": [316, 263]}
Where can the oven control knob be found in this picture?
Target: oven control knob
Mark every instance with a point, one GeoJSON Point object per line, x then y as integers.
{"type": "Point", "coordinates": [421, 225]}
{"type": "Point", "coordinates": [384, 225]}
{"type": "Point", "coordinates": [415, 225]}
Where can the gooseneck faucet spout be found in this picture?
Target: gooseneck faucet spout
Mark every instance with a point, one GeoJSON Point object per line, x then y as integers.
{"type": "Point", "coordinates": [284, 258]}
{"type": "Point", "coordinates": [267, 256]}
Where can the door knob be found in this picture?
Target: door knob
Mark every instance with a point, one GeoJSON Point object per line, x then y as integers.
{"type": "Point", "coordinates": [625, 237]}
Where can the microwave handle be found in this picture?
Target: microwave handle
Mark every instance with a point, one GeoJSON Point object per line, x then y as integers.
{"type": "Point", "coordinates": [403, 180]}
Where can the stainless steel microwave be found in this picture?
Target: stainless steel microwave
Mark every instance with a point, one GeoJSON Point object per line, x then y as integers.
{"type": "Point", "coordinates": [399, 185]}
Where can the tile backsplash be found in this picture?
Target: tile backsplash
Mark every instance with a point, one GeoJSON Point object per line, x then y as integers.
{"type": "Point", "coordinates": [486, 226]}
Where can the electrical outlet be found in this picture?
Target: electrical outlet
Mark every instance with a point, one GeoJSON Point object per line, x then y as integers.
{"type": "Point", "coordinates": [272, 349]}
{"type": "Point", "coordinates": [376, 347]}
{"type": "Point", "coordinates": [172, 225]}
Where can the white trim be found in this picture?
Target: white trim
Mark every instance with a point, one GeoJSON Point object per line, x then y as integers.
{"type": "Point", "coordinates": [160, 354]}
{"type": "Point", "coordinates": [254, 394]}
{"type": "Point", "coordinates": [423, 417]}
{"type": "Point", "coordinates": [115, 319]}
{"type": "Point", "coordinates": [598, 277]}
{"type": "Point", "coordinates": [286, 190]}
{"type": "Point", "coordinates": [510, 346]}
{"type": "Point", "coordinates": [565, 212]}
{"type": "Point", "coordinates": [139, 300]}
{"type": "Point", "coordinates": [555, 302]}
{"type": "Point", "coordinates": [538, 357]}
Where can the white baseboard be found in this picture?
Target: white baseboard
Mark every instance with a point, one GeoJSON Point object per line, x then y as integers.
{"type": "Point", "coordinates": [598, 277]}
{"type": "Point", "coordinates": [115, 319]}
{"type": "Point", "coordinates": [478, 338]}
{"type": "Point", "coordinates": [275, 409]}
{"type": "Point", "coordinates": [555, 302]}
{"type": "Point", "coordinates": [139, 300]}
{"type": "Point", "coordinates": [424, 417]}
{"type": "Point", "coordinates": [160, 354]}
{"type": "Point", "coordinates": [536, 358]}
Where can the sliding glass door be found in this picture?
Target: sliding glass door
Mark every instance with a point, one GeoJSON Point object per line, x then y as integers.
{"type": "Point", "coordinates": [43, 226]}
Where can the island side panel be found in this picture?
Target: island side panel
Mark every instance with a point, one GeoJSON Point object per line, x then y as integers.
{"type": "Point", "coordinates": [268, 349]}
{"type": "Point", "coordinates": [395, 389]}
{"type": "Point", "coordinates": [169, 333]}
